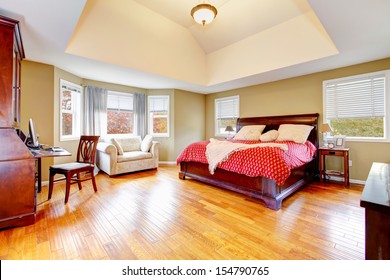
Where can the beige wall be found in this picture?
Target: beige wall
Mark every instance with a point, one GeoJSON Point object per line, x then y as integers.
{"type": "Point", "coordinates": [37, 99]}
{"type": "Point", "coordinates": [304, 95]}
{"type": "Point", "coordinates": [190, 119]}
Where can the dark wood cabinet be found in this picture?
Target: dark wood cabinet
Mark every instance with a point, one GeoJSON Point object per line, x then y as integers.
{"type": "Point", "coordinates": [11, 55]}
{"type": "Point", "coordinates": [376, 201]}
{"type": "Point", "coordinates": [17, 164]}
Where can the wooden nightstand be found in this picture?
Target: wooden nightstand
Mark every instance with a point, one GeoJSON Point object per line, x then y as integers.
{"type": "Point", "coordinates": [338, 152]}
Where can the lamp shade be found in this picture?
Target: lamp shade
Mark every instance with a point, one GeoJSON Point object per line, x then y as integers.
{"type": "Point", "coordinates": [204, 13]}
{"type": "Point", "coordinates": [229, 128]}
{"type": "Point", "coordinates": [325, 128]}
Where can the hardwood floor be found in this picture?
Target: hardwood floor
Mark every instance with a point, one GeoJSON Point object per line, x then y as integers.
{"type": "Point", "coordinates": [154, 215]}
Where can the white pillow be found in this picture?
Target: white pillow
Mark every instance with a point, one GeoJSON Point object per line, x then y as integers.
{"type": "Point", "coordinates": [118, 146]}
{"type": "Point", "coordinates": [294, 132]}
{"type": "Point", "coordinates": [146, 143]}
{"type": "Point", "coordinates": [250, 132]}
{"type": "Point", "coordinates": [270, 135]}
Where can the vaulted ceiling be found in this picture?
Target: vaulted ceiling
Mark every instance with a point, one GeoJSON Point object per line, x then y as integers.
{"type": "Point", "coordinates": [156, 44]}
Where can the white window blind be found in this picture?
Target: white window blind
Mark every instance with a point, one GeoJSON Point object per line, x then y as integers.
{"type": "Point", "coordinates": [119, 102]}
{"type": "Point", "coordinates": [227, 108]}
{"type": "Point", "coordinates": [69, 86]}
{"type": "Point", "coordinates": [362, 97]}
{"type": "Point", "coordinates": [158, 104]}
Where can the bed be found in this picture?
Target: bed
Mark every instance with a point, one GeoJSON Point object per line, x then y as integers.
{"type": "Point", "coordinates": [260, 187]}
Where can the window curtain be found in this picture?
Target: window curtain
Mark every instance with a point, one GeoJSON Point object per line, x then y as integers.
{"type": "Point", "coordinates": [95, 121]}
{"type": "Point", "coordinates": [140, 114]}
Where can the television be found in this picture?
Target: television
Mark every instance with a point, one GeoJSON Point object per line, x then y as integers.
{"type": "Point", "coordinates": [32, 140]}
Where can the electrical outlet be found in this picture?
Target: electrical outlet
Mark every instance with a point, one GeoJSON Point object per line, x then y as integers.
{"type": "Point", "coordinates": [350, 163]}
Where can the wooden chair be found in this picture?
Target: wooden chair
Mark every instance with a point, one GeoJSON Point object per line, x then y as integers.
{"type": "Point", "coordinates": [81, 170]}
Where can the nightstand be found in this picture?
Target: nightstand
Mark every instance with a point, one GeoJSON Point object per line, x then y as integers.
{"type": "Point", "coordinates": [338, 152]}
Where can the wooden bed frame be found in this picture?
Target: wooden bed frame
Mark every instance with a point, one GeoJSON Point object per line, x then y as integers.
{"type": "Point", "coordinates": [260, 187]}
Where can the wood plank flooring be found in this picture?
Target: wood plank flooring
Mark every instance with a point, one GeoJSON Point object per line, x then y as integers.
{"type": "Point", "coordinates": [155, 215]}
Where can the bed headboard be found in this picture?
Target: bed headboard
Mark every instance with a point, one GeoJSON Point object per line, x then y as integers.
{"type": "Point", "coordinates": [273, 122]}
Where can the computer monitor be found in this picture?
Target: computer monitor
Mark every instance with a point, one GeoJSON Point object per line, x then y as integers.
{"type": "Point", "coordinates": [32, 142]}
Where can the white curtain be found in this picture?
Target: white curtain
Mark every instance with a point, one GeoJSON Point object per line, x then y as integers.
{"type": "Point", "coordinates": [95, 121]}
{"type": "Point", "coordinates": [140, 114]}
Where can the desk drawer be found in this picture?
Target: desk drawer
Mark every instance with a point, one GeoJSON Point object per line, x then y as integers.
{"type": "Point", "coordinates": [333, 153]}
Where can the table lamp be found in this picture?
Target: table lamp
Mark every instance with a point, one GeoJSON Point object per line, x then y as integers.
{"type": "Point", "coordinates": [325, 128]}
{"type": "Point", "coordinates": [229, 129]}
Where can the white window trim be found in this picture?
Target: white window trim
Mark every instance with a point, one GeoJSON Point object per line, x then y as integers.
{"type": "Point", "coordinates": [386, 125]}
{"type": "Point", "coordinates": [216, 131]}
{"type": "Point", "coordinates": [76, 112]}
{"type": "Point", "coordinates": [150, 120]}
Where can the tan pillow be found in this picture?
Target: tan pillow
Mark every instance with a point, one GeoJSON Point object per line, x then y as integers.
{"type": "Point", "coordinates": [146, 143]}
{"type": "Point", "coordinates": [118, 146]}
{"type": "Point", "coordinates": [130, 144]}
{"type": "Point", "coordinates": [249, 132]}
{"type": "Point", "coordinates": [270, 135]}
{"type": "Point", "coordinates": [294, 132]}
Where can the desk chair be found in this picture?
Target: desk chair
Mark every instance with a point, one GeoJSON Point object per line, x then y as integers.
{"type": "Point", "coordinates": [84, 165]}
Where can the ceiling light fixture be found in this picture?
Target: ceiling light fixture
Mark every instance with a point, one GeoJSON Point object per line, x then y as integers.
{"type": "Point", "coordinates": [204, 13]}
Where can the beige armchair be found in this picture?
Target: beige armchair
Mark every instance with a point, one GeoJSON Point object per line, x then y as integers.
{"type": "Point", "coordinates": [127, 154]}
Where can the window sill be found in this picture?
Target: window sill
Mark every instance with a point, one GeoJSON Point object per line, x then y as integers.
{"type": "Point", "coordinates": [364, 140]}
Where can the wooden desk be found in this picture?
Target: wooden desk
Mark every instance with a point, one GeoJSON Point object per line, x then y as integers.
{"type": "Point", "coordinates": [338, 152]}
{"type": "Point", "coordinates": [376, 201]}
{"type": "Point", "coordinates": [39, 154]}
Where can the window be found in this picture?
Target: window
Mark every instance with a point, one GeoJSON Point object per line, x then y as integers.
{"type": "Point", "coordinates": [70, 100]}
{"type": "Point", "coordinates": [158, 108]}
{"type": "Point", "coordinates": [226, 114]}
{"type": "Point", "coordinates": [120, 113]}
{"type": "Point", "coordinates": [355, 106]}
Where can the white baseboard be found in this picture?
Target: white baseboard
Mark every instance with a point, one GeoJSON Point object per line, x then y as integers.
{"type": "Point", "coordinates": [350, 180]}
{"type": "Point", "coordinates": [167, 163]}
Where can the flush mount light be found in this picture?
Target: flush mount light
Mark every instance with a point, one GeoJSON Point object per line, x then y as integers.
{"type": "Point", "coordinates": [204, 13]}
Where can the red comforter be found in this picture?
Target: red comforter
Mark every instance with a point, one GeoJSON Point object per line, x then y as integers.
{"type": "Point", "coordinates": [268, 162]}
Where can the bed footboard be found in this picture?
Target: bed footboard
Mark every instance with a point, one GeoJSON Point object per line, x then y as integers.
{"type": "Point", "coordinates": [256, 187]}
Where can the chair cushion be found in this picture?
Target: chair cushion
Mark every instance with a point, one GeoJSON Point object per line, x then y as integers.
{"type": "Point", "coordinates": [129, 156]}
{"type": "Point", "coordinates": [71, 166]}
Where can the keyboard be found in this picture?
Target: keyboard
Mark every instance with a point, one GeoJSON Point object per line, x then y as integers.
{"type": "Point", "coordinates": [34, 152]}
{"type": "Point", "coordinates": [54, 149]}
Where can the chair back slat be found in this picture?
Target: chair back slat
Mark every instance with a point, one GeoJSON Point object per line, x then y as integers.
{"type": "Point", "coordinates": [87, 149]}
